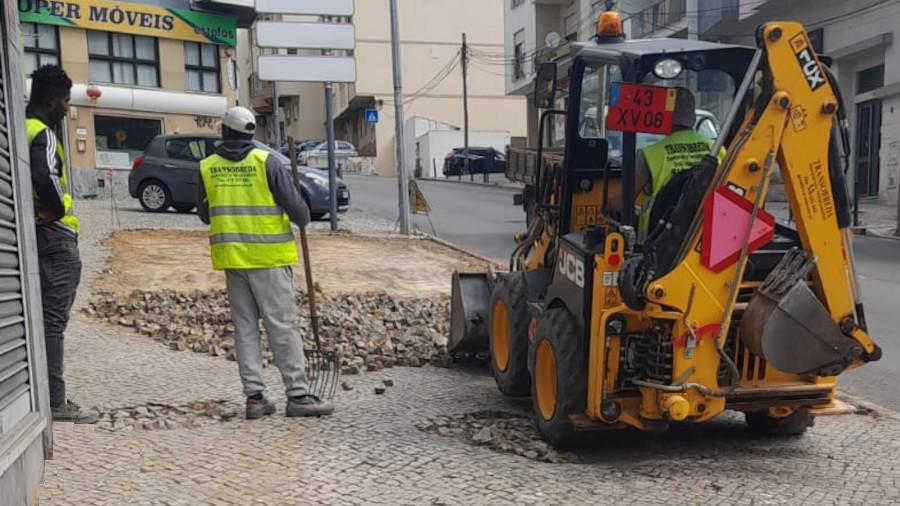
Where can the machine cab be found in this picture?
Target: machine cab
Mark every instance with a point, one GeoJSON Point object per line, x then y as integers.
{"type": "Point", "coordinates": [603, 135]}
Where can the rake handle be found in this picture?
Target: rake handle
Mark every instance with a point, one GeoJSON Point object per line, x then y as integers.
{"type": "Point", "coordinates": [304, 245]}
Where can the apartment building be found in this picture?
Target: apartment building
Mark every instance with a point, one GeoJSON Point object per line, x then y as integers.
{"type": "Point", "coordinates": [430, 43]}
{"type": "Point", "coordinates": [859, 36]}
{"type": "Point", "coordinates": [139, 69]}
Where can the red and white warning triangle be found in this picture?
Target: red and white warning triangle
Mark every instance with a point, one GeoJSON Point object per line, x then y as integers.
{"type": "Point", "coordinates": [725, 221]}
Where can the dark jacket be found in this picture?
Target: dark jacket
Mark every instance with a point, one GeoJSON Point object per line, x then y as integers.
{"type": "Point", "coordinates": [280, 184]}
{"type": "Point", "coordinates": [46, 170]}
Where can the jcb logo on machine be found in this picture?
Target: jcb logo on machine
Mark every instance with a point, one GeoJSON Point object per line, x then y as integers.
{"type": "Point", "coordinates": [572, 267]}
{"type": "Point", "coordinates": [811, 69]}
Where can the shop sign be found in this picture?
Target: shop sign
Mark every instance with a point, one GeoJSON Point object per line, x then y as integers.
{"type": "Point", "coordinates": [137, 19]}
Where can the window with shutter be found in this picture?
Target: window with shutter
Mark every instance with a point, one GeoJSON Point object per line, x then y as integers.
{"type": "Point", "coordinates": [15, 392]}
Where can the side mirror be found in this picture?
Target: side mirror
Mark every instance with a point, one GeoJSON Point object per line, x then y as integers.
{"type": "Point", "coordinates": [545, 86]}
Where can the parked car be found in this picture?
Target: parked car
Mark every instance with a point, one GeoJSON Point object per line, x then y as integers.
{"type": "Point", "coordinates": [168, 172]}
{"type": "Point", "coordinates": [320, 150]}
{"type": "Point", "coordinates": [481, 160]}
{"type": "Point", "coordinates": [301, 146]}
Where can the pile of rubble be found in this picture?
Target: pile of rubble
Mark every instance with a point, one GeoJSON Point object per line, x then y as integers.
{"type": "Point", "coordinates": [369, 332]}
{"type": "Point", "coordinates": [499, 431]}
{"type": "Point", "coordinates": [166, 417]}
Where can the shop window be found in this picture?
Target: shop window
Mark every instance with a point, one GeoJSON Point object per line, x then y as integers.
{"type": "Point", "coordinates": [123, 59]}
{"type": "Point", "coordinates": [192, 150]}
{"type": "Point", "coordinates": [41, 46]}
{"type": "Point", "coordinates": [122, 134]}
{"type": "Point", "coordinates": [201, 67]}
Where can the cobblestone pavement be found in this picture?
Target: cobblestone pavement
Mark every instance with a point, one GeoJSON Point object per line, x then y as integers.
{"type": "Point", "coordinates": [371, 451]}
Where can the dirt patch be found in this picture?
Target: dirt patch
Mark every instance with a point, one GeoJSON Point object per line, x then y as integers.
{"type": "Point", "coordinates": [152, 260]}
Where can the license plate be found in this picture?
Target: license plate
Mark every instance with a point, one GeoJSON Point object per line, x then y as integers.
{"type": "Point", "coordinates": [345, 194]}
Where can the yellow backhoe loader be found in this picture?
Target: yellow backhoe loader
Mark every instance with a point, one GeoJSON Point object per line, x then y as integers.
{"type": "Point", "coordinates": [720, 306]}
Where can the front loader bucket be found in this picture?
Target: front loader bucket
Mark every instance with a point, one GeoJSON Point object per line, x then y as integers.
{"type": "Point", "coordinates": [470, 302]}
{"type": "Point", "coordinates": [786, 325]}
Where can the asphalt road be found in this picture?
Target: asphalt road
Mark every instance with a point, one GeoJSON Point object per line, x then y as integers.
{"type": "Point", "coordinates": [478, 218]}
{"type": "Point", "coordinates": [484, 219]}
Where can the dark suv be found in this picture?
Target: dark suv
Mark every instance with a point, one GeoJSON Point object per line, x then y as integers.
{"type": "Point", "coordinates": [166, 175]}
{"type": "Point", "coordinates": [481, 160]}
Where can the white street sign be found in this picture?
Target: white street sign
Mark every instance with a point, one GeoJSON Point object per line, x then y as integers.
{"type": "Point", "coordinates": [304, 35]}
{"type": "Point", "coordinates": [320, 7]}
{"type": "Point", "coordinates": [317, 69]}
{"type": "Point", "coordinates": [238, 3]}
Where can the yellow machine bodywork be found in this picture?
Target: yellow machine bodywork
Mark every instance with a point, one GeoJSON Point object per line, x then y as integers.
{"type": "Point", "coordinates": [698, 301]}
{"type": "Point", "coordinates": [717, 360]}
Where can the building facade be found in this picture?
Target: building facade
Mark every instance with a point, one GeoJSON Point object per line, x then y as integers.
{"type": "Point", "coordinates": [860, 36]}
{"type": "Point", "coordinates": [430, 46]}
{"type": "Point", "coordinates": [159, 67]}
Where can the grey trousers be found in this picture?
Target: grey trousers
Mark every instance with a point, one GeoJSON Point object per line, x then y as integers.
{"type": "Point", "coordinates": [267, 294]}
{"type": "Point", "coordinates": [60, 267]}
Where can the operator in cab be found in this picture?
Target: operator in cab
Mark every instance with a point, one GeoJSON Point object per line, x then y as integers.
{"type": "Point", "coordinates": [656, 164]}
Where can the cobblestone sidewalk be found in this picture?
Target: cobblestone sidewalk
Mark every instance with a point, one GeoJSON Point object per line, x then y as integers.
{"type": "Point", "coordinates": [372, 451]}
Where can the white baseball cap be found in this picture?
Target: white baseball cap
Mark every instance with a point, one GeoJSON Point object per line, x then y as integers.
{"type": "Point", "coordinates": [240, 119]}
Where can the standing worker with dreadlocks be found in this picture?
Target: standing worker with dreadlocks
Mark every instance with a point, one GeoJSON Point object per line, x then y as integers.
{"type": "Point", "coordinates": [247, 198]}
{"type": "Point", "coordinates": [57, 228]}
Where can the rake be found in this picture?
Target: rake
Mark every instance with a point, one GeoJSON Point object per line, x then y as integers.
{"type": "Point", "coordinates": [323, 365]}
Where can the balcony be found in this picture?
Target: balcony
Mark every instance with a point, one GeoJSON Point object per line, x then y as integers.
{"type": "Point", "coordinates": [262, 94]}
{"type": "Point", "coordinates": [667, 15]}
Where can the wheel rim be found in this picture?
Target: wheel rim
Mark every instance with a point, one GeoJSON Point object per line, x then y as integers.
{"type": "Point", "coordinates": [154, 196]}
{"type": "Point", "coordinates": [500, 335]}
{"type": "Point", "coordinates": [545, 380]}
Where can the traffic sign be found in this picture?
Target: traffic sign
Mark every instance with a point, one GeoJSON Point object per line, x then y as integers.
{"type": "Point", "coordinates": [315, 69]}
{"type": "Point", "coordinates": [317, 7]}
{"type": "Point", "coordinates": [417, 202]}
{"type": "Point", "coordinates": [295, 35]}
{"type": "Point", "coordinates": [371, 116]}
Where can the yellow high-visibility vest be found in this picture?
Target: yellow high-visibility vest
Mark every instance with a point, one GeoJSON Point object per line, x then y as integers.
{"type": "Point", "coordinates": [33, 128]}
{"type": "Point", "coordinates": [679, 151]}
{"type": "Point", "coordinates": [248, 230]}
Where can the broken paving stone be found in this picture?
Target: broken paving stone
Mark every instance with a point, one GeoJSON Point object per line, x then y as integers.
{"type": "Point", "coordinates": [379, 390]}
{"type": "Point", "coordinates": [388, 382]}
{"type": "Point", "coordinates": [369, 331]}
{"type": "Point", "coordinates": [500, 431]}
{"type": "Point", "coordinates": [346, 386]}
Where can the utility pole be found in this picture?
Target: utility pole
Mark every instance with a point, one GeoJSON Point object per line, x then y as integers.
{"type": "Point", "coordinates": [332, 169]}
{"type": "Point", "coordinates": [398, 113]}
{"type": "Point", "coordinates": [275, 119]}
{"type": "Point", "coordinates": [465, 64]}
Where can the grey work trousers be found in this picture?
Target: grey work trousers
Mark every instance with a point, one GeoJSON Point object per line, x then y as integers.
{"type": "Point", "coordinates": [60, 268]}
{"type": "Point", "coordinates": [266, 293]}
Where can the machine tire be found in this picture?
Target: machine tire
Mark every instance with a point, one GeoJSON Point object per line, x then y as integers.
{"type": "Point", "coordinates": [559, 376]}
{"type": "Point", "coordinates": [508, 331]}
{"type": "Point", "coordinates": [794, 424]}
{"type": "Point", "coordinates": [154, 196]}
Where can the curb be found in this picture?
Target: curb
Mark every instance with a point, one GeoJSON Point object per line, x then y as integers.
{"type": "Point", "coordinates": [874, 233]}
{"type": "Point", "coordinates": [459, 249]}
{"type": "Point", "coordinates": [856, 402]}
{"type": "Point", "coordinates": [474, 183]}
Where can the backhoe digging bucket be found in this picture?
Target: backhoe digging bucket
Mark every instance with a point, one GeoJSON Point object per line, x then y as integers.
{"type": "Point", "coordinates": [786, 325]}
{"type": "Point", "coordinates": [469, 306]}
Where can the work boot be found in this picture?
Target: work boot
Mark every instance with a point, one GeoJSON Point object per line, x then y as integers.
{"type": "Point", "coordinates": [258, 407]}
{"type": "Point", "coordinates": [308, 405]}
{"type": "Point", "coordinates": [71, 412]}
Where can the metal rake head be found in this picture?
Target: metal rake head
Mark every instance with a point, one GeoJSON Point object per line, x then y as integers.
{"type": "Point", "coordinates": [323, 369]}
